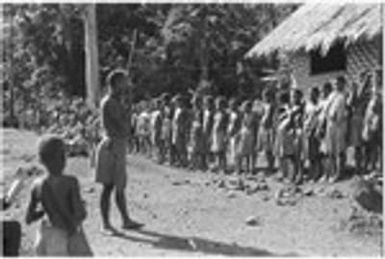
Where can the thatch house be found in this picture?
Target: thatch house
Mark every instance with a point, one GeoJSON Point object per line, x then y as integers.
{"type": "Point", "coordinates": [324, 40]}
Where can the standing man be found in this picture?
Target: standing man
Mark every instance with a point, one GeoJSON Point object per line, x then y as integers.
{"type": "Point", "coordinates": [336, 129]}
{"type": "Point", "coordinates": [111, 153]}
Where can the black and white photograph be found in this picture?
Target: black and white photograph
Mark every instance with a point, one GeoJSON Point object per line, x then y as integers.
{"type": "Point", "coordinates": [185, 129]}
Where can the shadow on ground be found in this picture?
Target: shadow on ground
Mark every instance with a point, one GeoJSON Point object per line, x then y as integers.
{"type": "Point", "coordinates": [197, 245]}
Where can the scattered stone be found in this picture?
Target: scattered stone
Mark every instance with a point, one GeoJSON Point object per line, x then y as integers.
{"type": "Point", "coordinates": [278, 194]}
{"type": "Point", "coordinates": [221, 184]}
{"type": "Point", "coordinates": [279, 202]}
{"type": "Point", "coordinates": [367, 196]}
{"type": "Point", "coordinates": [231, 195]}
{"type": "Point", "coordinates": [252, 221]}
{"type": "Point", "coordinates": [291, 202]}
{"type": "Point", "coordinates": [176, 183]}
{"type": "Point", "coordinates": [320, 191]}
{"type": "Point", "coordinates": [308, 192]}
{"type": "Point", "coordinates": [265, 198]}
{"type": "Point", "coordinates": [263, 186]}
{"type": "Point", "coordinates": [335, 194]}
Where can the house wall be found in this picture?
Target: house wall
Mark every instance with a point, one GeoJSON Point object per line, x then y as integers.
{"type": "Point", "coordinates": [360, 57]}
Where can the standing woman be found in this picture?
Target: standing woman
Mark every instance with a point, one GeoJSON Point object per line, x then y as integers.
{"type": "Point", "coordinates": [320, 132]}
{"type": "Point", "coordinates": [233, 128]}
{"type": "Point", "coordinates": [357, 102]}
{"type": "Point", "coordinates": [196, 136]}
{"type": "Point", "coordinates": [208, 121]}
{"type": "Point", "coordinates": [218, 146]}
{"type": "Point", "coordinates": [311, 143]}
{"type": "Point", "coordinates": [266, 129]}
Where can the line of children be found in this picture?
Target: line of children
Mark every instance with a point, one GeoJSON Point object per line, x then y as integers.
{"type": "Point", "coordinates": [307, 137]}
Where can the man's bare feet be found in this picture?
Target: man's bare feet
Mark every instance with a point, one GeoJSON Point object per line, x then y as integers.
{"type": "Point", "coordinates": [131, 224]}
{"type": "Point", "coordinates": [107, 230]}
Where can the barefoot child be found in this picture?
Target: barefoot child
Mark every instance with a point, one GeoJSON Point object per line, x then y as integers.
{"type": "Point", "coordinates": [208, 121]}
{"type": "Point", "coordinates": [218, 146]}
{"type": "Point", "coordinates": [245, 140]}
{"type": "Point", "coordinates": [311, 143]}
{"type": "Point", "coordinates": [196, 138]}
{"type": "Point", "coordinates": [180, 131]}
{"type": "Point", "coordinates": [233, 128]}
{"type": "Point", "coordinates": [57, 197]}
{"type": "Point", "coordinates": [266, 129]}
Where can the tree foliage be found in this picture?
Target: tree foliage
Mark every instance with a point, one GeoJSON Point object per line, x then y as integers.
{"type": "Point", "coordinates": [178, 46]}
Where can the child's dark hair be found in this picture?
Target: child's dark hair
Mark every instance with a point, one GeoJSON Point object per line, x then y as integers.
{"type": "Point", "coordinates": [220, 102]}
{"type": "Point", "coordinates": [284, 97]}
{"type": "Point", "coordinates": [48, 148]}
{"type": "Point", "coordinates": [268, 94]}
{"type": "Point", "coordinates": [327, 87]}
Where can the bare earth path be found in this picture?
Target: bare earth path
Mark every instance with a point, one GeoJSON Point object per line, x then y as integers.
{"type": "Point", "coordinates": [187, 214]}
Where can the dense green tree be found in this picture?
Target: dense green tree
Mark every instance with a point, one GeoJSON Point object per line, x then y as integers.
{"type": "Point", "coordinates": [178, 47]}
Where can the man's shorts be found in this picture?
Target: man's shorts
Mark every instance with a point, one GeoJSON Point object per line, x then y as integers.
{"type": "Point", "coordinates": [111, 163]}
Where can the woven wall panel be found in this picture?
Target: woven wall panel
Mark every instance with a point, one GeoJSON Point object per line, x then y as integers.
{"type": "Point", "coordinates": [365, 56]}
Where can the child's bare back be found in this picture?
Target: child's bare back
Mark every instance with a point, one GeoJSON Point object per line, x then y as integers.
{"type": "Point", "coordinates": [60, 200]}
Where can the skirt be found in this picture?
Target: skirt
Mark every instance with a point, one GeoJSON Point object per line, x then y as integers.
{"type": "Point", "coordinates": [218, 144]}
{"type": "Point", "coordinates": [265, 140]}
{"type": "Point", "coordinates": [111, 163]}
{"type": "Point", "coordinates": [244, 147]}
{"type": "Point", "coordinates": [355, 130]}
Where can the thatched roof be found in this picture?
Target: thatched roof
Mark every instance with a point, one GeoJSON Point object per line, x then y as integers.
{"type": "Point", "coordinates": [320, 25]}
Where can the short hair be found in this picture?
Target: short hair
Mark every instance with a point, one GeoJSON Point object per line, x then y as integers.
{"type": "Point", "coordinates": [327, 87]}
{"type": "Point", "coordinates": [49, 146]}
{"type": "Point", "coordinates": [196, 100]}
{"type": "Point", "coordinates": [247, 104]}
{"type": "Point", "coordinates": [341, 80]}
{"type": "Point", "coordinates": [268, 94]}
{"type": "Point", "coordinates": [208, 99]}
{"type": "Point", "coordinates": [284, 96]}
{"type": "Point", "coordinates": [314, 90]}
{"type": "Point", "coordinates": [298, 92]}
{"type": "Point", "coordinates": [114, 76]}
{"type": "Point", "coordinates": [220, 101]}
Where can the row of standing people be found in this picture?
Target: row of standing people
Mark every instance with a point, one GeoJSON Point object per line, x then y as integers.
{"type": "Point", "coordinates": [300, 134]}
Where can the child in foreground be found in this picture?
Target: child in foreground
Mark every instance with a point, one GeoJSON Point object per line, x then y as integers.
{"type": "Point", "coordinates": [55, 199]}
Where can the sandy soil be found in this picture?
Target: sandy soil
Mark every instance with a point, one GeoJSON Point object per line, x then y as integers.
{"type": "Point", "coordinates": [186, 213]}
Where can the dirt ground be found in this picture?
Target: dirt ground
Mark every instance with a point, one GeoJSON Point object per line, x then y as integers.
{"type": "Point", "coordinates": [187, 214]}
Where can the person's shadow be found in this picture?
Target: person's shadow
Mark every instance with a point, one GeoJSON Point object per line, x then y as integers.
{"type": "Point", "coordinates": [195, 244]}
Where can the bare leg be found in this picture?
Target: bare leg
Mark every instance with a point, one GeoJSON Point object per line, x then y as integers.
{"type": "Point", "coordinates": [105, 206]}
{"type": "Point", "coordinates": [120, 199]}
{"type": "Point", "coordinates": [270, 158]}
{"type": "Point", "coordinates": [358, 159]}
{"type": "Point", "coordinates": [247, 158]}
{"type": "Point", "coordinates": [224, 162]}
{"type": "Point", "coordinates": [253, 162]}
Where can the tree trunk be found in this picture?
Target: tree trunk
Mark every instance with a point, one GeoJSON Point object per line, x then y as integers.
{"type": "Point", "coordinates": [11, 70]}
{"type": "Point", "coordinates": [203, 49]}
{"type": "Point", "coordinates": [92, 60]}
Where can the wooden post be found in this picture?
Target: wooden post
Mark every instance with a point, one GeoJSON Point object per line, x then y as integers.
{"type": "Point", "coordinates": [92, 59]}
{"type": "Point", "coordinates": [130, 85]}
